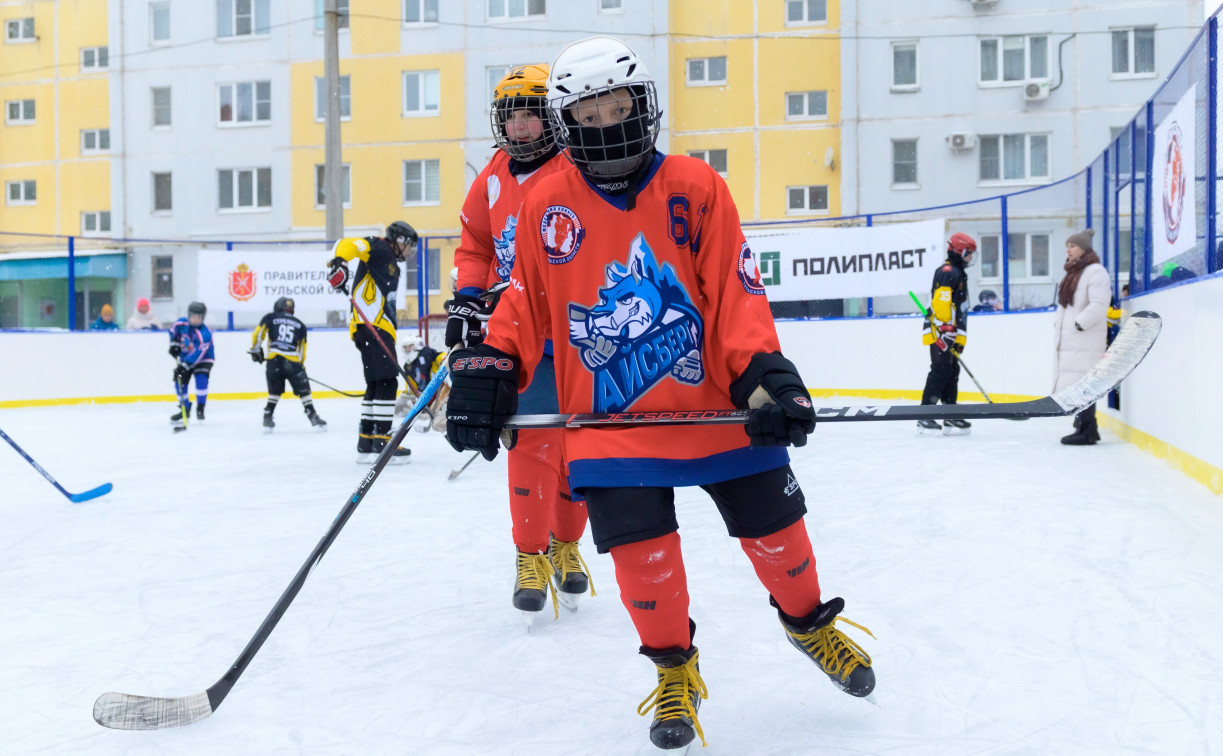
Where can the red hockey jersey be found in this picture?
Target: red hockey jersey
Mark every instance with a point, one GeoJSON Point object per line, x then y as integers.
{"type": "Point", "coordinates": [485, 254]}
{"type": "Point", "coordinates": [656, 308]}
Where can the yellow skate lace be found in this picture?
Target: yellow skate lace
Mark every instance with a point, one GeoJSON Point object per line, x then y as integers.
{"type": "Point", "coordinates": [672, 698]}
{"type": "Point", "coordinates": [837, 653]}
{"type": "Point", "coordinates": [566, 558]}
{"type": "Point", "coordinates": [535, 573]}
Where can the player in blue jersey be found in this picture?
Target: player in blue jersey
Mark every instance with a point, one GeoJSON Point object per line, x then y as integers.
{"type": "Point", "coordinates": [191, 346]}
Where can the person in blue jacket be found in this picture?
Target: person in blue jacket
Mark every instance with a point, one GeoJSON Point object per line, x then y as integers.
{"type": "Point", "coordinates": [191, 346]}
{"type": "Point", "coordinates": [105, 321]}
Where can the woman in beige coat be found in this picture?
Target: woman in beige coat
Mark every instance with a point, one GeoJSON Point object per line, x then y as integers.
{"type": "Point", "coordinates": [1080, 326]}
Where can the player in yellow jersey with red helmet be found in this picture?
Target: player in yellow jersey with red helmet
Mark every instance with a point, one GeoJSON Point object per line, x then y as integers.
{"type": "Point", "coordinates": [637, 263]}
{"type": "Point", "coordinates": [547, 522]}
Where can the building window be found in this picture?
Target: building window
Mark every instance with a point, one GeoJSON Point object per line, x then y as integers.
{"type": "Point", "coordinates": [95, 222]}
{"type": "Point", "coordinates": [806, 11]}
{"type": "Point", "coordinates": [162, 193]}
{"type": "Point", "coordinates": [243, 18]}
{"type": "Point", "coordinates": [320, 20]}
{"type": "Point", "coordinates": [432, 252]}
{"type": "Point", "coordinates": [244, 102]}
{"type": "Point", "coordinates": [320, 186]}
{"type": "Point", "coordinates": [421, 92]}
{"type": "Point", "coordinates": [95, 58]}
{"type": "Point", "coordinates": [806, 199]}
{"type": "Point", "coordinates": [19, 111]}
{"type": "Point", "coordinates": [21, 192]}
{"type": "Point", "coordinates": [320, 98]}
{"type": "Point", "coordinates": [1134, 51]}
{"type": "Point", "coordinates": [904, 66]}
{"type": "Point", "coordinates": [163, 277]}
{"type": "Point", "coordinates": [159, 23]}
{"type": "Point", "coordinates": [19, 30]}
{"type": "Point", "coordinates": [904, 161]}
{"type": "Point", "coordinates": [498, 9]}
{"type": "Point", "coordinates": [495, 75]}
{"type": "Point", "coordinates": [804, 105]}
{"type": "Point", "coordinates": [422, 182]}
{"type": "Point", "coordinates": [1014, 157]}
{"type": "Point", "coordinates": [95, 140]}
{"type": "Point", "coordinates": [161, 106]}
{"type": "Point", "coordinates": [419, 11]}
{"type": "Point", "coordinates": [707, 71]}
{"type": "Point", "coordinates": [244, 188]}
{"type": "Point", "coordinates": [1027, 257]}
{"type": "Point", "coordinates": [715, 158]}
{"type": "Point", "coordinates": [611, 6]}
{"type": "Point", "coordinates": [1014, 58]}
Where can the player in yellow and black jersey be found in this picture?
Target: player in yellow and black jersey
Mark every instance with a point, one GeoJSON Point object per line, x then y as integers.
{"type": "Point", "coordinates": [286, 360]}
{"type": "Point", "coordinates": [944, 331]}
{"type": "Point", "coordinates": [372, 325]}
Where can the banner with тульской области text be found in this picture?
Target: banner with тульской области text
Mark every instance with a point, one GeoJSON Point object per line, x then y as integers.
{"type": "Point", "coordinates": [251, 280]}
{"type": "Point", "coordinates": [843, 263]}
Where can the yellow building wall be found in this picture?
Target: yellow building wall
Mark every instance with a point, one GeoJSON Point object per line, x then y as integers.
{"type": "Point", "coordinates": [779, 75]}
{"type": "Point", "coordinates": [80, 23]}
{"type": "Point", "coordinates": [33, 142]}
{"type": "Point", "coordinates": [703, 107]}
{"type": "Point", "coordinates": [740, 162]}
{"type": "Point", "coordinates": [797, 159]}
{"type": "Point", "coordinates": [84, 186]}
{"type": "Point", "coordinates": [771, 15]}
{"type": "Point", "coordinates": [371, 34]}
{"type": "Point", "coordinates": [84, 104]}
{"type": "Point", "coordinates": [38, 218]}
{"type": "Point", "coordinates": [711, 17]}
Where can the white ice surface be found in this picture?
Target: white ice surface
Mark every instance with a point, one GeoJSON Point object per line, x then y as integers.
{"type": "Point", "coordinates": [1028, 598]}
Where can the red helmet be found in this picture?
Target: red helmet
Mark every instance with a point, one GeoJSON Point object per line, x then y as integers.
{"type": "Point", "coordinates": [960, 243]}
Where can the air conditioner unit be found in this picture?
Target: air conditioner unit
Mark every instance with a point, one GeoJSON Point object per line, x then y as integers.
{"type": "Point", "coordinates": [962, 141]}
{"type": "Point", "coordinates": [1036, 90]}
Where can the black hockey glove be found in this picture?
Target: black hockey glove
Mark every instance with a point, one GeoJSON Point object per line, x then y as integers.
{"type": "Point", "coordinates": [782, 411]}
{"type": "Point", "coordinates": [337, 274]}
{"type": "Point", "coordinates": [483, 395]}
{"type": "Point", "coordinates": [182, 373]}
{"type": "Point", "coordinates": [467, 315]}
{"type": "Point", "coordinates": [175, 349]}
{"type": "Point", "coordinates": [256, 354]}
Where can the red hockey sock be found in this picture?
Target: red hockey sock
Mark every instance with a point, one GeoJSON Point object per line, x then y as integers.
{"type": "Point", "coordinates": [568, 516]}
{"type": "Point", "coordinates": [532, 492]}
{"type": "Point", "coordinates": [654, 589]}
{"type": "Point", "coordinates": [785, 565]}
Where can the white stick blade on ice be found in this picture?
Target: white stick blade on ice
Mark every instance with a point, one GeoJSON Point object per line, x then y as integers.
{"type": "Point", "coordinates": [121, 711]}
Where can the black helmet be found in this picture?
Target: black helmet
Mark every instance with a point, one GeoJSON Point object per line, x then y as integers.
{"type": "Point", "coordinates": [197, 308]}
{"type": "Point", "coordinates": [401, 232]}
{"type": "Point", "coordinates": [284, 304]}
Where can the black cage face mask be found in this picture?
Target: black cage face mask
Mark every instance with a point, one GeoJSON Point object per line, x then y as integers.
{"type": "Point", "coordinates": [504, 109]}
{"type": "Point", "coordinates": [616, 150]}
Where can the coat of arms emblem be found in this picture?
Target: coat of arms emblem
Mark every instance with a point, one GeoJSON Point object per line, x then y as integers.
{"type": "Point", "coordinates": [242, 283]}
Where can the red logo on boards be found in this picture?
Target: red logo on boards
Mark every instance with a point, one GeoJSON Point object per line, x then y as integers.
{"type": "Point", "coordinates": [242, 283]}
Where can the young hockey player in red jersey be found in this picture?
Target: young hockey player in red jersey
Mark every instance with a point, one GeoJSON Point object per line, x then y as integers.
{"type": "Point", "coordinates": [946, 334]}
{"type": "Point", "coordinates": [638, 257]}
{"type": "Point", "coordinates": [547, 522]}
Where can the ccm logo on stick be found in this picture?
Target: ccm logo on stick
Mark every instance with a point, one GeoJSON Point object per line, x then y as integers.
{"type": "Point", "coordinates": [477, 363]}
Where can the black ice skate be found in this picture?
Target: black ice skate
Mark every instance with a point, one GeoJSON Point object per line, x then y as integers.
{"type": "Point", "coordinates": [533, 583]}
{"type": "Point", "coordinates": [319, 423]}
{"type": "Point", "coordinates": [178, 419]}
{"type": "Point", "coordinates": [845, 662]}
{"type": "Point", "coordinates": [199, 412]}
{"type": "Point", "coordinates": [676, 699]}
{"type": "Point", "coordinates": [956, 427]}
{"type": "Point", "coordinates": [928, 427]}
{"type": "Point", "coordinates": [400, 456]}
{"type": "Point", "coordinates": [268, 422]}
{"type": "Point", "coordinates": [569, 571]}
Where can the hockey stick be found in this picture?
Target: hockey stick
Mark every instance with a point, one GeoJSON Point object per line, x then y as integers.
{"type": "Point", "coordinates": [122, 711]}
{"type": "Point", "coordinates": [92, 493]}
{"type": "Point", "coordinates": [459, 471]}
{"type": "Point", "coordinates": [333, 388]}
{"type": "Point", "coordinates": [1136, 338]}
{"type": "Point", "coordinates": [378, 338]}
{"type": "Point", "coordinates": [954, 353]}
{"type": "Point", "coordinates": [182, 397]}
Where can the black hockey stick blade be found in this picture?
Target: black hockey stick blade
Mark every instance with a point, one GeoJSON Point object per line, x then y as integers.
{"type": "Point", "coordinates": [1136, 338]}
{"type": "Point", "coordinates": [122, 711]}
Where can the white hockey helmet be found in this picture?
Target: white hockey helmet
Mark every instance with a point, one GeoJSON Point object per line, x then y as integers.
{"type": "Point", "coordinates": [595, 68]}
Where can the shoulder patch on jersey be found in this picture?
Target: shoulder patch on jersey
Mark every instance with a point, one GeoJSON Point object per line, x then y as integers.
{"type": "Point", "coordinates": [562, 233]}
{"type": "Point", "coordinates": [643, 328]}
{"type": "Point", "coordinates": [494, 190]}
{"type": "Point", "coordinates": [749, 271]}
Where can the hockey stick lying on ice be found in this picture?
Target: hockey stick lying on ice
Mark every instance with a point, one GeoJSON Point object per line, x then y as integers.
{"type": "Point", "coordinates": [122, 711]}
{"type": "Point", "coordinates": [1136, 338]}
{"type": "Point", "coordinates": [954, 353]}
{"type": "Point", "coordinates": [92, 493]}
{"type": "Point", "coordinates": [459, 471]}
